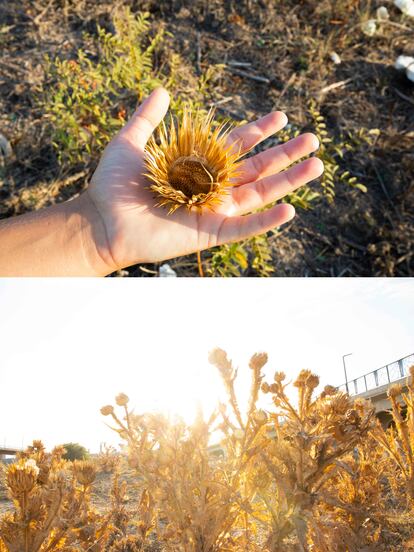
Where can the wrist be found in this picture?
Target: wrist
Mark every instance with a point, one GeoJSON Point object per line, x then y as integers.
{"type": "Point", "coordinates": [84, 220]}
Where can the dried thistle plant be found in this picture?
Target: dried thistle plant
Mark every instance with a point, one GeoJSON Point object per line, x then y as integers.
{"type": "Point", "coordinates": [191, 164]}
{"type": "Point", "coordinates": [302, 452]}
{"type": "Point", "coordinates": [108, 459]}
{"type": "Point", "coordinates": [195, 498]}
{"type": "Point", "coordinates": [51, 504]}
{"type": "Point", "coordinates": [311, 474]}
{"type": "Point", "coordinates": [398, 440]}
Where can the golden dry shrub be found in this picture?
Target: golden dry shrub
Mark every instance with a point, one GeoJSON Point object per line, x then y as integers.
{"type": "Point", "coordinates": [194, 500]}
{"type": "Point", "coordinates": [108, 460]}
{"type": "Point", "coordinates": [398, 439]}
{"type": "Point", "coordinates": [302, 452]}
{"type": "Point", "coordinates": [50, 510]}
{"type": "Point", "coordinates": [191, 163]}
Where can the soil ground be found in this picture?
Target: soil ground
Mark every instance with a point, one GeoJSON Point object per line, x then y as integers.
{"type": "Point", "coordinates": [288, 44]}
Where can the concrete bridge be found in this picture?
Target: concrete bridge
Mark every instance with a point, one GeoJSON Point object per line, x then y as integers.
{"type": "Point", "coordinates": [8, 451]}
{"type": "Point", "coordinates": [374, 385]}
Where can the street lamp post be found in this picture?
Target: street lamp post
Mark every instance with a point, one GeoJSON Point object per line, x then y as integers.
{"type": "Point", "coordinates": [346, 376]}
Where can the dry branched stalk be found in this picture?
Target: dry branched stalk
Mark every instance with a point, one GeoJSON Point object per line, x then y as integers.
{"type": "Point", "coordinates": [195, 497]}
{"type": "Point", "coordinates": [51, 504]}
{"type": "Point", "coordinates": [398, 440]}
{"type": "Point", "coordinates": [302, 452]}
{"type": "Point", "coordinates": [191, 164]}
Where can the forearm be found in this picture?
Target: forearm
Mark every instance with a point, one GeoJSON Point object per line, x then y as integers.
{"type": "Point", "coordinates": [63, 240]}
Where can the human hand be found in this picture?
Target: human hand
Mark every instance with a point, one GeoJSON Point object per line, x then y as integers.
{"type": "Point", "coordinates": [135, 231]}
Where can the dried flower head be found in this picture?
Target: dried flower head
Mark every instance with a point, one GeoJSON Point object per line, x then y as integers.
{"type": "Point", "coordinates": [193, 164]}
{"type": "Point", "coordinates": [22, 476]}
{"type": "Point", "coordinates": [328, 390]}
{"type": "Point", "coordinates": [257, 361]}
{"type": "Point", "coordinates": [85, 472]}
{"type": "Point", "coordinates": [395, 391]}
{"type": "Point", "coordinates": [107, 410]}
{"type": "Point", "coordinates": [122, 399]}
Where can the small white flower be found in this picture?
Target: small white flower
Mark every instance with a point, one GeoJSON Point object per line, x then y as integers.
{"type": "Point", "coordinates": [402, 62]}
{"type": "Point", "coordinates": [335, 58]}
{"type": "Point", "coordinates": [410, 72]}
{"type": "Point", "coordinates": [369, 27]}
{"type": "Point", "coordinates": [166, 271]}
{"type": "Point", "coordinates": [382, 13]}
{"type": "Point", "coordinates": [406, 6]}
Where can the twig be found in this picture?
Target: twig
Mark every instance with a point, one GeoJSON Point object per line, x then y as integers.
{"type": "Point", "coordinates": [221, 102]}
{"type": "Point", "coordinates": [256, 78]}
{"type": "Point", "coordinates": [334, 85]}
{"type": "Point", "coordinates": [147, 270]}
{"type": "Point", "coordinates": [200, 265]}
{"type": "Point", "coordinates": [404, 97]}
{"type": "Point", "coordinates": [198, 53]}
{"type": "Point", "coordinates": [289, 83]}
{"type": "Point", "coordinates": [239, 63]}
{"type": "Point", "coordinates": [231, 114]}
{"type": "Point", "coordinates": [38, 17]}
{"type": "Point", "coordinates": [352, 244]}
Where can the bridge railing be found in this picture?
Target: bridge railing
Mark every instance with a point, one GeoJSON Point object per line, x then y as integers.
{"type": "Point", "coordinates": [382, 376]}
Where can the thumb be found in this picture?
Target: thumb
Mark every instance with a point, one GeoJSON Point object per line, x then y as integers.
{"type": "Point", "coordinates": [146, 118]}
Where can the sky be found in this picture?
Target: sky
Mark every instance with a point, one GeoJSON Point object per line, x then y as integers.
{"type": "Point", "coordinates": [68, 347]}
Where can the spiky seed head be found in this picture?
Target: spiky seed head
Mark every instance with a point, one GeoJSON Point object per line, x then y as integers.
{"type": "Point", "coordinates": [22, 476]}
{"type": "Point", "coordinates": [85, 472]}
{"type": "Point", "coordinates": [265, 387]}
{"type": "Point", "coordinates": [395, 391]}
{"type": "Point", "coordinates": [191, 164]}
{"type": "Point", "coordinates": [328, 390]}
{"type": "Point", "coordinates": [257, 361]}
{"type": "Point", "coordinates": [302, 378]}
{"type": "Point", "coordinates": [260, 417]}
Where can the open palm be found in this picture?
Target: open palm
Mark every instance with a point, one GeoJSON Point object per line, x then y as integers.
{"type": "Point", "coordinates": [137, 231]}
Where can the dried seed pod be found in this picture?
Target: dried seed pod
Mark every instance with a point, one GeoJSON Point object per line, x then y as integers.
{"type": "Point", "coordinates": [107, 410]}
{"type": "Point", "coordinates": [85, 472]}
{"type": "Point", "coordinates": [122, 399]}
{"type": "Point", "coordinates": [193, 164]}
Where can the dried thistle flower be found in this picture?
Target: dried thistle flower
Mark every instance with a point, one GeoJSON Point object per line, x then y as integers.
{"type": "Point", "coordinates": [107, 410]}
{"type": "Point", "coordinates": [122, 399]}
{"type": "Point", "coordinates": [394, 391]}
{"type": "Point", "coordinates": [193, 165]}
{"type": "Point", "coordinates": [85, 472]}
{"type": "Point", "coordinates": [22, 476]}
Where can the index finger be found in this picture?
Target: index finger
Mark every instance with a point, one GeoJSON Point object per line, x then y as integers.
{"type": "Point", "coordinates": [251, 134]}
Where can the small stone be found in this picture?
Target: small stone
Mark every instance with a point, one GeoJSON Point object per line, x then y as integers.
{"type": "Point", "coordinates": [402, 62]}
{"type": "Point", "coordinates": [335, 58]}
{"type": "Point", "coordinates": [382, 13]}
{"type": "Point", "coordinates": [166, 271]}
{"type": "Point", "coordinates": [406, 6]}
{"type": "Point", "coordinates": [410, 72]}
{"type": "Point", "coordinates": [369, 27]}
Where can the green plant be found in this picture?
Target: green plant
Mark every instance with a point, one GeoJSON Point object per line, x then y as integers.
{"type": "Point", "coordinates": [75, 451]}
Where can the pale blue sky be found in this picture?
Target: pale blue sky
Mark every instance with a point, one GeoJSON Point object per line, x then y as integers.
{"type": "Point", "coordinates": [69, 346]}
